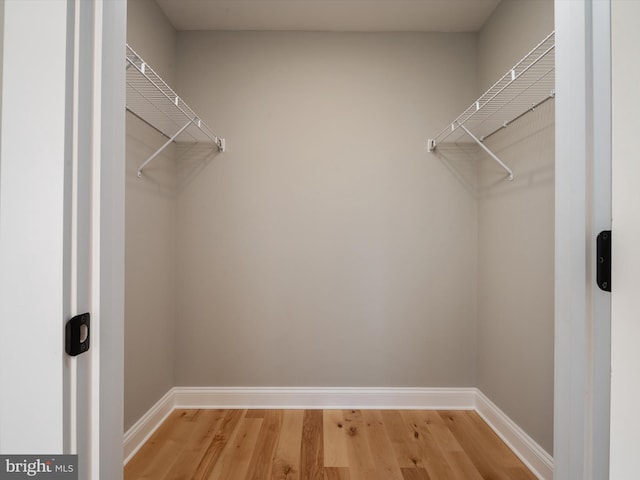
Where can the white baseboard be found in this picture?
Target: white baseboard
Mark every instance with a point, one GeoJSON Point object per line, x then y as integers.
{"type": "Point", "coordinates": [534, 456]}
{"type": "Point", "coordinates": [327, 398]}
{"type": "Point", "coordinates": [140, 432]}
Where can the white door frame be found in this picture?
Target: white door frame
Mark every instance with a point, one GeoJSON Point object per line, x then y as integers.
{"type": "Point", "coordinates": [39, 94]}
{"type": "Point", "coordinates": [108, 231]}
{"type": "Point", "coordinates": [583, 208]}
{"type": "Point", "coordinates": [32, 169]}
{"type": "Point", "coordinates": [97, 136]}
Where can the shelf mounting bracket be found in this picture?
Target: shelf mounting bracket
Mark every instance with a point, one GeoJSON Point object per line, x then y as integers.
{"type": "Point", "coordinates": [489, 152]}
{"type": "Point", "coordinates": [159, 151]}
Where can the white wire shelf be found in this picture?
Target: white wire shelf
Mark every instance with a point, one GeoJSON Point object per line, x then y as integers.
{"type": "Point", "coordinates": [530, 83]}
{"type": "Point", "coordinates": [153, 101]}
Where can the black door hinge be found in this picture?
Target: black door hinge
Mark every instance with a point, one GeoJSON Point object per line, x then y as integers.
{"type": "Point", "coordinates": [77, 334]}
{"type": "Point", "coordinates": [603, 260]}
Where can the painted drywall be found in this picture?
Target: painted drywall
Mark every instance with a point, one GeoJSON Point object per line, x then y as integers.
{"type": "Point", "coordinates": [151, 35]}
{"type": "Point", "coordinates": [150, 251]}
{"type": "Point", "coordinates": [326, 247]}
{"type": "Point", "coordinates": [516, 236]}
{"type": "Point", "coordinates": [625, 303]}
{"type": "Point", "coordinates": [512, 30]}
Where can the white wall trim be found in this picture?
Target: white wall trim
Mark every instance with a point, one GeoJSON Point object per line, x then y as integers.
{"type": "Point", "coordinates": [534, 456]}
{"type": "Point", "coordinates": [140, 431]}
{"type": "Point", "coordinates": [328, 398]}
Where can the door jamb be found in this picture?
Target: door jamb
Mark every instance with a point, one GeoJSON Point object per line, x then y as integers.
{"type": "Point", "coordinates": [583, 208]}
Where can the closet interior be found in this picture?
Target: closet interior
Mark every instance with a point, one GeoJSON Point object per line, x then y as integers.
{"type": "Point", "coordinates": [345, 226]}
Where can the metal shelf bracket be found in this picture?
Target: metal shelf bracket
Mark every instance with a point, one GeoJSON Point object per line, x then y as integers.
{"type": "Point", "coordinates": [159, 151]}
{"type": "Point", "coordinates": [431, 147]}
{"type": "Point", "coordinates": [220, 144]}
{"type": "Point", "coordinates": [489, 152]}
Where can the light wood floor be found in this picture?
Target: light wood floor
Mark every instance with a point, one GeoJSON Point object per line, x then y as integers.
{"type": "Point", "coordinates": [325, 445]}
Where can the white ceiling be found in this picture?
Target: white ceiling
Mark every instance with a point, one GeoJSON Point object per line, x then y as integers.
{"type": "Point", "coordinates": [329, 15]}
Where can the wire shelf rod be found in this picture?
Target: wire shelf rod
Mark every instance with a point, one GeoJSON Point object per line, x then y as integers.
{"type": "Point", "coordinates": [551, 96]}
{"type": "Point", "coordinates": [147, 123]}
{"type": "Point", "coordinates": [518, 110]}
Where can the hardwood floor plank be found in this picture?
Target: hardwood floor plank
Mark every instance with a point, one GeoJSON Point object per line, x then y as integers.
{"type": "Point", "coordinates": [440, 431]}
{"type": "Point", "coordinates": [458, 424]}
{"type": "Point", "coordinates": [171, 445]}
{"type": "Point", "coordinates": [236, 456]}
{"type": "Point", "coordinates": [431, 454]}
{"type": "Point", "coordinates": [205, 424]}
{"type": "Point", "coordinates": [520, 473]}
{"type": "Point", "coordinates": [371, 473]}
{"type": "Point", "coordinates": [380, 447]}
{"type": "Point", "coordinates": [491, 457]}
{"type": "Point", "coordinates": [263, 456]}
{"type": "Point", "coordinates": [486, 436]}
{"type": "Point", "coordinates": [336, 473]}
{"type": "Point", "coordinates": [312, 450]}
{"type": "Point", "coordinates": [147, 453]}
{"type": "Point", "coordinates": [358, 452]}
{"type": "Point", "coordinates": [286, 464]}
{"type": "Point", "coordinates": [335, 439]}
{"type": "Point", "coordinates": [402, 438]}
{"type": "Point", "coordinates": [460, 464]}
{"type": "Point", "coordinates": [224, 432]}
{"type": "Point", "coordinates": [415, 474]}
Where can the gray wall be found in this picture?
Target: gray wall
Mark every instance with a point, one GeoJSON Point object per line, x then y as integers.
{"type": "Point", "coordinates": [150, 250]}
{"type": "Point", "coordinates": [516, 236]}
{"type": "Point", "coordinates": [326, 248]}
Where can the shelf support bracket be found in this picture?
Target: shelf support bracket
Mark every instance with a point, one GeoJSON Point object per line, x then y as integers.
{"type": "Point", "coordinates": [489, 152]}
{"type": "Point", "coordinates": [148, 160]}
